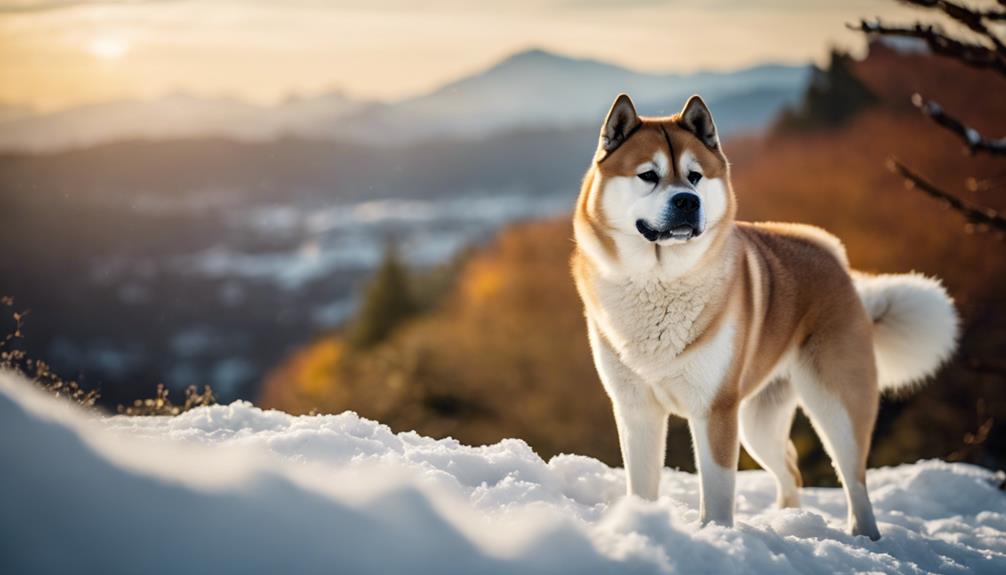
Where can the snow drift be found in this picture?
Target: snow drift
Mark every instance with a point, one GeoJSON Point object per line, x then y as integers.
{"type": "Point", "coordinates": [237, 489]}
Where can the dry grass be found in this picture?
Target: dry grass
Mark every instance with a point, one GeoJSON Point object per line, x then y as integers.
{"type": "Point", "coordinates": [37, 371]}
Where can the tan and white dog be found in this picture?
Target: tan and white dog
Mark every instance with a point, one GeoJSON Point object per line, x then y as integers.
{"type": "Point", "coordinates": [732, 324]}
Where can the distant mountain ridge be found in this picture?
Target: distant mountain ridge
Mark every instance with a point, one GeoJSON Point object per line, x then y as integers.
{"type": "Point", "coordinates": [170, 117]}
{"type": "Point", "coordinates": [530, 89]}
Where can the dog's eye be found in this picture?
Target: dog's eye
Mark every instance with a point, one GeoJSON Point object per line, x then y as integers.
{"type": "Point", "coordinates": [694, 177]}
{"type": "Point", "coordinates": [649, 176]}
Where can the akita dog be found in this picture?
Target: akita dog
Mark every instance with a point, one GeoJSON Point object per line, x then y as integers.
{"type": "Point", "coordinates": [733, 324]}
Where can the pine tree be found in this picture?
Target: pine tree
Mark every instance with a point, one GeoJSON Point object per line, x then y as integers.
{"type": "Point", "coordinates": [833, 95]}
{"type": "Point", "coordinates": [387, 302]}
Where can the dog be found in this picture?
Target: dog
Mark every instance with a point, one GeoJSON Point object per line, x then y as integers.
{"type": "Point", "coordinates": [732, 325]}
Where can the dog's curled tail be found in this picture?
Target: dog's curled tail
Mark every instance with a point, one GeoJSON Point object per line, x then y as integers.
{"type": "Point", "coordinates": [915, 326]}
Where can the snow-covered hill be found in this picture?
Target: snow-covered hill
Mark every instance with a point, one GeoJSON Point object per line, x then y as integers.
{"type": "Point", "coordinates": [234, 489]}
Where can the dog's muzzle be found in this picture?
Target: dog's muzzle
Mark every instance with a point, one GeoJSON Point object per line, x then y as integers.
{"type": "Point", "coordinates": [682, 220]}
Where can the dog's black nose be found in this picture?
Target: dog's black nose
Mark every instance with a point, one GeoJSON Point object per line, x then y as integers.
{"type": "Point", "coordinates": [687, 202]}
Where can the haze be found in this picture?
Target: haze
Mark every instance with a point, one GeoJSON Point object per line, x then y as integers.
{"type": "Point", "coordinates": [60, 53]}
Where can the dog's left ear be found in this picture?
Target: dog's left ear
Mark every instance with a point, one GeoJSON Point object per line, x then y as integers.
{"type": "Point", "coordinates": [697, 119]}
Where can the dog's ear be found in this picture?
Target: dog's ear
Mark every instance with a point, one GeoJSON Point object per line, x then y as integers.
{"type": "Point", "coordinates": [697, 119]}
{"type": "Point", "coordinates": [622, 120]}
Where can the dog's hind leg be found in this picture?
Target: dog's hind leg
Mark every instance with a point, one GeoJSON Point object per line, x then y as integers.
{"type": "Point", "coordinates": [766, 420]}
{"type": "Point", "coordinates": [837, 387]}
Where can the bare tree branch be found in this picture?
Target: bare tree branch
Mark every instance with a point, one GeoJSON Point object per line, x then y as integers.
{"type": "Point", "coordinates": [984, 23]}
{"type": "Point", "coordinates": [973, 213]}
{"type": "Point", "coordinates": [994, 15]}
{"type": "Point", "coordinates": [974, 140]}
{"type": "Point", "coordinates": [974, 55]}
{"type": "Point", "coordinates": [973, 19]}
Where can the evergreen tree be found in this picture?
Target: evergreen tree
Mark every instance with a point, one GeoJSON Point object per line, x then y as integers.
{"type": "Point", "coordinates": [387, 302]}
{"type": "Point", "coordinates": [832, 96]}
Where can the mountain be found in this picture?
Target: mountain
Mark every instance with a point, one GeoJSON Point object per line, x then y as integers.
{"type": "Point", "coordinates": [537, 88]}
{"type": "Point", "coordinates": [531, 89]}
{"type": "Point", "coordinates": [173, 116]}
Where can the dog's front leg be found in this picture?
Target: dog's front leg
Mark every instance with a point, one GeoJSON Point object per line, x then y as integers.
{"type": "Point", "coordinates": [642, 435]}
{"type": "Point", "coordinates": [714, 438]}
{"type": "Point", "coordinates": [639, 416]}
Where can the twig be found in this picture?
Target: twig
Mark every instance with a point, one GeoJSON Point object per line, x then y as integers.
{"type": "Point", "coordinates": [973, 19]}
{"type": "Point", "coordinates": [973, 213]}
{"type": "Point", "coordinates": [974, 55]}
{"type": "Point", "coordinates": [974, 140]}
{"type": "Point", "coordinates": [974, 442]}
{"type": "Point", "coordinates": [18, 317]}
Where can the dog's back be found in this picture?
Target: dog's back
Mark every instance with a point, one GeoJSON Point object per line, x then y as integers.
{"type": "Point", "coordinates": [800, 288]}
{"type": "Point", "coordinates": [913, 321]}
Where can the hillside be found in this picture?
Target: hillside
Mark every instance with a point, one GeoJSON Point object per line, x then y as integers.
{"type": "Point", "coordinates": [234, 488]}
{"type": "Point", "coordinates": [506, 350]}
{"type": "Point", "coordinates": [268, 241]}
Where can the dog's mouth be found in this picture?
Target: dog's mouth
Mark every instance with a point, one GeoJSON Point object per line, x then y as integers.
{"type": "Point", "coordinates": [680, 232]}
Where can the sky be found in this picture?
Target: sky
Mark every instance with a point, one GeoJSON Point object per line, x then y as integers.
{"type": "Point", "coordinates": [61, 53]}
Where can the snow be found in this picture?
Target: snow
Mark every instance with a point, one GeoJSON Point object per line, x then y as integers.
{"type": "Point", "coordinates": [972, 135]}
{"type": "Point", "coordinates": [322, 241]}
{"type": "Point", "coordinates": [237, 489]}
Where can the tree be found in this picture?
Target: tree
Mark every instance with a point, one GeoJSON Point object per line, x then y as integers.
{"type": "Point", "coordinates": [833, 95]}
{"type": "Point", "coordinates": [387, 302]}
{"type": "Point", "coordinates": [987, 51]}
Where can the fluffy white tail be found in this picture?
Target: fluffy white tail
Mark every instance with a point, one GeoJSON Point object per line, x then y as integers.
{"type": "Point", "coordinates": [915, 326]}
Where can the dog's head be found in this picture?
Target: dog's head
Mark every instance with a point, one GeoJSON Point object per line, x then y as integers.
{"type": "Point", "coordinates": [662, 181]}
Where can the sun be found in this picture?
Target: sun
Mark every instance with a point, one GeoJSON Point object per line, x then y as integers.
{"type": "Point", "coordinates": [108, 48]}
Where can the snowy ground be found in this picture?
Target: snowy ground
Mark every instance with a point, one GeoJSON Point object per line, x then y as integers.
{"type": "Point", "coordinates": [233, 489]}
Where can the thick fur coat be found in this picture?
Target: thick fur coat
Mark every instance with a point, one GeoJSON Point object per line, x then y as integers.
{"type": "Point", "coordinates": [732, 325]}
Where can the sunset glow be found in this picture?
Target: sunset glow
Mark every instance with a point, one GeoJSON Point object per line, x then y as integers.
{"type": "Point", "coordinates": [108, 48]}
{"type": "Point", "coordinates": [58, 54]}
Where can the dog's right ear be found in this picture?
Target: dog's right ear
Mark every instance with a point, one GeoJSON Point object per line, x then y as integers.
{"type": "Point", "coordinates": [621, 122]}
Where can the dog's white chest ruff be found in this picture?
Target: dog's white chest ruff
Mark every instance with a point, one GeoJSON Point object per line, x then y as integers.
{"type": "Point", "coordinates": [648, 318]}
{"type": "Point", "coordinates": [650, 323]}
